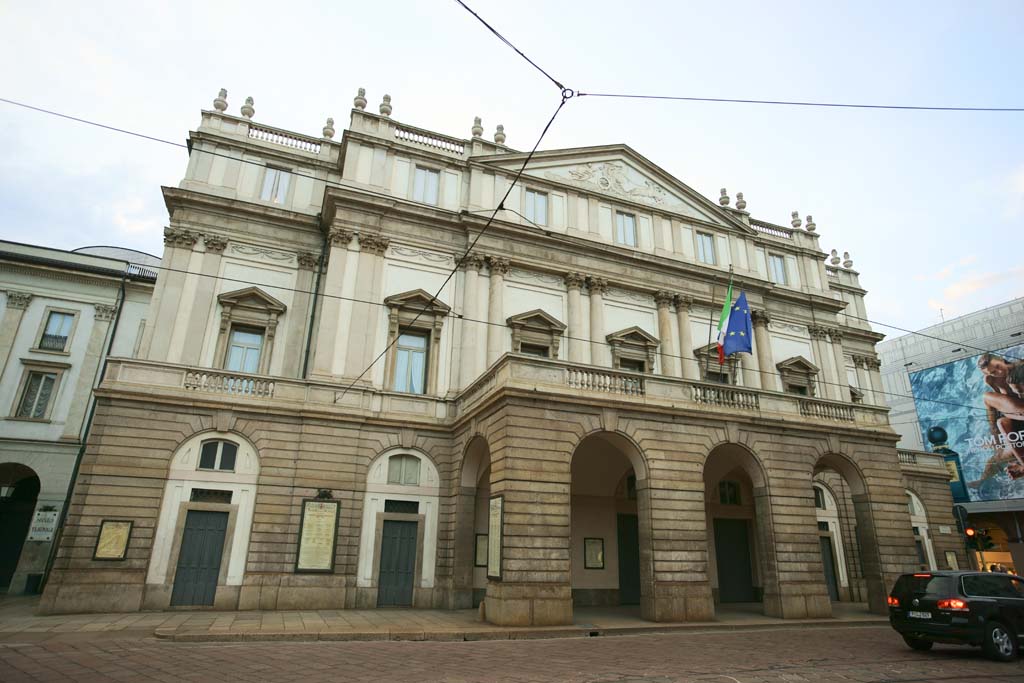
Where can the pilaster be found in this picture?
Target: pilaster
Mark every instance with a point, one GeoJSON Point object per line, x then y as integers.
{"type": "Point", "coordinates": [17, 304]}
{"type": "Point", "coordinates": [470, 323]}
{"type": "Point", "coordinates": [763, 349]}
{"type": "Point", "coordinates": [102, 316]}
{"type": "Point", "coordinates": [362, 344]}
{"type": "Point", "coordinates": [331, 304]}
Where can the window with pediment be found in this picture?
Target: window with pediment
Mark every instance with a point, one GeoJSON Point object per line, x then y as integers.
{"type": "Point", "coordinates": [633, 349]}
{"type": "Point", "coordinates": [713, 371]}
{"type": "Point", "coordinates": [248, 325]}
{"type": "Point", "coordinates": [799, 375]}
{"type": "Point", "coordinates": [536, 333]}
{"type": "Point", "coordinates": [415, 321]}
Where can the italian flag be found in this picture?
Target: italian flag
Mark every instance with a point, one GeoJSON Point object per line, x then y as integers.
{"type": "Point", "coordinates": [723, 322]}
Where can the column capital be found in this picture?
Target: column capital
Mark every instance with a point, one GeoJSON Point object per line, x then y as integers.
{"type": "Point", "coordinates": [104, 312]}
{"type": "Point", "coordinates": [663, 299]}
{"type": "Point", "coordinates": [818, 332]}
{"type": "Point", "coordinates": [836, 334]}
{"type": "Point", "coordinates": [872, 363]}
{"type": "Point", "coordinates": [179, 237]}
{"type": "Point", "coordinates": [683, 302]}
{"type": "Point", "coordinates": [374, 244]}
{"type": "Point", "coordinates": [597, 285]}
{"type": "Point", "coordinates": [499, 266]}
{"type": "Point", "coordinates": [473, 261]}
{"type": "Point", "coordinates": [760, 318]}
{"type": "Point", "coordinates": [339, 237]}
{"type": "Point", "coordinates": [308, 260]}
{"type": "Point", "coordinates": [215, 243]}
{"type": "Point", "coordinates": [17, 299]}
{"type": "Point", "coordinates": [574, 280]}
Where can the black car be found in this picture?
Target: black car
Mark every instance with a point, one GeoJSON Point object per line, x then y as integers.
{"type": "Point", "coordinates": [965, 608]}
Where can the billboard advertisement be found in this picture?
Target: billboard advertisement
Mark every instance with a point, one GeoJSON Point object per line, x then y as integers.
{"type": "Point", "coordinates": [972, 411]}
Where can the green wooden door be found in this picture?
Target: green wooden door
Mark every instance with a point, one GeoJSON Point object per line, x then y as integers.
{"type": "Point", "coordinates": [397, 564]}
{"type": "Point", "coordinates": [202, 545]}
{"type": "Point", "coordinates": [829, 563]}
{"type": "Point", "coordinates": [629, 560]}
{"type": "Point", "coordinates": [732, 552]}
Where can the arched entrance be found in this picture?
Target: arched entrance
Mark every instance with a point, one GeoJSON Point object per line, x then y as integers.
{"type": "Point", "coordinates": [471, 544]}
{"type": "Point", "coordinates": [609, 524]}
{"type": "Point", "coordinates": [833, 531]}
{"type": "Point", "coordinates": [735, 499]}
{"type": "Point", "coordinates": [19, 488]}
{"type": "Point", "coordinates": [922, 535]}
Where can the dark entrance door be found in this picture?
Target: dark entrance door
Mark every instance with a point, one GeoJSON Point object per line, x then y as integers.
{"type": "Point", "coordinates": [629, 560]}
{"type": "Point", "coordinates": [828, 561]}
{"type": "Point", "coordinates": [15, 517]}
{"type": "Point", "coordinates": [202, 545]}
{"type": "Point", "coordinates": [397, 563]}
{"type": "Point", "coordinates": [732, 551]}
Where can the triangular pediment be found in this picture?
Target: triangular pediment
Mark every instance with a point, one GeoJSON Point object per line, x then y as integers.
{"type": "Point", "coordinates": [798, 364]}
{"type": "Point", "coordinates": [252, 297]}
{"type": "Point", "coordinates": [417, 299]}
{"type": "Point", "coordinates": [537, 319]}
{"type": "Point", "coordinates": [635, 336]}
{"type": "Point", "coordinates": [619, 172]}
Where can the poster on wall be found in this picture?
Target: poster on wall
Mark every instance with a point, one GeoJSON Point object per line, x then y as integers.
{"type": "Point", "coordinates": [494, 542]}
{"type": "Point", "coordinates": [44, 526]}
{"type": "Point", "coordinates": [112, 542]}
{"type": "Point", "coordinates": [972, 412]}
{"type": "Point", "coordinates": [317, 536]}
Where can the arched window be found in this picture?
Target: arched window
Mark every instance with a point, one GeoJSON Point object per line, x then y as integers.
{"type": "Point", "coordinates": [819, 499]}
{"type": "Point", "coordinates": [218, 456]}
{"type": "Point", "coordinates": [729, 493]}
{"type": "Point", "coordinates": [404, 469]}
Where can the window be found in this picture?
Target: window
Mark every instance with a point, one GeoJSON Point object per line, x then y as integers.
{"type": "Point", "coordinates": [535, 350]}
{"type": "Point", "coordinates": [717, 377]}
{"type": "Point", "coordinates": [218, 456]}
{"type": "Point", "coordinates": [705, 248]}
{"type": "Point", "coordinates": [411, 363]}
{"type": "Point", "coordinates": [35, 398]}
{"type": "Point", "coordinates": [244, 347]}
{"type": "Point", "coordinates": [402, 507]}
{"type": "Point", "coordinates": [921, 559]}
{"type": "Point", "coordinates": [210, 496]}
{"type": "Point", "coordinates": [991, 586]}
{"type": "Point", "coordinates": [625, 229]}
{"type": "Point", "coordinates": [796, 389]}
{"type": "Point", "coordinates": [729, 492]}
{"type": "Point", "coordinates": [632, 364]}
{"type": "Point", "coordinates": [404, 469]}
{"type": "Point", "coordinates": [537, 207]}
{"type": "Point", "coordinates": [425, 185]}
{"type": "Point", "coordinates": [275, 185]}
{"type": "Point", "coordinates": [57, 331]}
{"type": "Point", "coordinates": [777, 269]}
{"type": "Point", "coordinates": [822, 526]}
{"type": "Point", "coordinates": [819, 499]}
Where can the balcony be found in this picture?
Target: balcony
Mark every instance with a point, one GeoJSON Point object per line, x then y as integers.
{"type": "Point", "coordinates": [53, 342]}
{"type": "Point", "coordinates": [922, 463]}
{"type": "Point", "coordinates": [537, 377]}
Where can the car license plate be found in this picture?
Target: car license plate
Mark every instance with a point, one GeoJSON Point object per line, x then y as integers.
{"type": "Point", "coordinates": [919, 615]}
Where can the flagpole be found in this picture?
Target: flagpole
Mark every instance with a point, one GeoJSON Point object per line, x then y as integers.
{"type": "Point", "coordinates": [711, 321]}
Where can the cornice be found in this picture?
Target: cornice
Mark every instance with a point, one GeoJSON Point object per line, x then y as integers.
{"type": "Point", "coordinates": [177, 198]}
{"type": "Point", "coordinates": [274, 152]}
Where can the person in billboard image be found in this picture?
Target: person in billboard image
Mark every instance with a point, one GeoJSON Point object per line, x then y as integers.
{"type": "Point", "coordinates": [1005, 404]}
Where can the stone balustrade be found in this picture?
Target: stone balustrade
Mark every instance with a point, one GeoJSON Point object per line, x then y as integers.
{"type": "Point", "coordinates": [432, 140]}
{"type": "Point", "coordinates": [283, 138]}
{"type": "Point", "coordinates": [539, 377]}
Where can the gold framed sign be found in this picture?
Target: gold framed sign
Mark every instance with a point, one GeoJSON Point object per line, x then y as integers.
{"type": "Point", "coordinates": [480, 559]}
{"type": "Point", "coordinates": [318, 536]}
{"type": "Point", "coordinates": [112, 543]}
{"type": "Point", "coordinates": [495, 522]}
{"type": "Point", "coordinates": [593, 553]}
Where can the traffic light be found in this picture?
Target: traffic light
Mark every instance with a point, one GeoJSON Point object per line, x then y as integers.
{"type": "Point", "coordinates": [978, 539]}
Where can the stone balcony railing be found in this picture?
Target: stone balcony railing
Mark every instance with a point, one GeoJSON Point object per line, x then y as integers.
{"type": "Point", "coordinates": [922, 462]}
{"type": "Point", "coordinates": [554, 379]}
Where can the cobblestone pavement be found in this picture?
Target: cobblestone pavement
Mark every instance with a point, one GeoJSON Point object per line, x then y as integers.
{"type": "Point", "coordinates": [864, 655]}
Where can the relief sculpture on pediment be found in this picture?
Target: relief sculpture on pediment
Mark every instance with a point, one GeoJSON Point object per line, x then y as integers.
{"type": "Point", "coordinates": [615, 178]}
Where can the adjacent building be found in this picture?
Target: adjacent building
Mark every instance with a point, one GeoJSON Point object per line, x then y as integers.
{"type": "Point", "coordinates": [60, 313]}
{"type": "Point", "coordinates": [937, 381]}
{"type": "Point", "coordinates": [306, 425]}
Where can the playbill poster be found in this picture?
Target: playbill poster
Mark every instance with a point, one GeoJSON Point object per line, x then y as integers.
{"type": "Point", "coordinates": [316, 538]}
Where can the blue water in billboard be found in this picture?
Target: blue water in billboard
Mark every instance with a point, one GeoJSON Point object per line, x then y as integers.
{"type": "Point", "coordinates": [950, 396]}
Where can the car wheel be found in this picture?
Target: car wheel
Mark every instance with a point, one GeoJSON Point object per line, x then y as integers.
{"type": "Point", "coordinates": [1000, 643]}
{"type": "Point", "coordinates": [917, 643]}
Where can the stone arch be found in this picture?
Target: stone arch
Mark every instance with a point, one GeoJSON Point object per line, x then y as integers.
{"type": "Point", "coordinates": [20, 487]}
{"type": "Point", "coordinates": [625, 443]}
{"type": "Point", "coordinates": [922, 531]}
{"type": "Point", "coordinates": [187, 489]}
{"type": "Point", "coordinates": [471, 529]}
{"type": "Point", "coordinates": [399, 499]}
{"type": "Point", "coordinates": [833, 516]}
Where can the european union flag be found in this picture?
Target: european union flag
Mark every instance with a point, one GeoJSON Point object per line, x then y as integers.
{"type": "Point", "coordinates": [740, 330]}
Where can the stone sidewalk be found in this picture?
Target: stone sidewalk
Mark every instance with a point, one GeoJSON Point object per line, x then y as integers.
{"type": "Point", "coordinates": [18, 623]}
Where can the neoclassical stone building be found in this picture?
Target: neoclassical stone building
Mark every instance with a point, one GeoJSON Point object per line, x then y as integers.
{"type": "Point", "coordinates": [552, 431]}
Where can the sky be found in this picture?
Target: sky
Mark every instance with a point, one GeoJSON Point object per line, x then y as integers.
{"type": "Point", "coordinates": [929, 205]}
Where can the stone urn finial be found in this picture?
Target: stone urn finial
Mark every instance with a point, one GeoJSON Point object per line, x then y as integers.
{"type": "Point", "coordinates": [796, 222]}
{"type": "Point", "coordinates": [499, 135]}
{"type": "Point", "coordinates": [221, 102]}
{"type": "Point", "coordinates": [247, 109]}
{"type": "Point", "coordinates": [847, 261]}
{"type": "Point", "coordinates": [835, 258]}
{"type": "Point", "coordinates": [478, 129]}
{"type": "Point", "coordinates": [385, 106]}
{"type": "Point", "coordinates": [811, 227]}
{"type": "Point", "coordinates": [741, 203]}
{"type": "Point", "coordinates": [360, 99]}
{"type": "Point", "coordinates": [329, 128]}
{"type": "Point", "coordinates": [724, 199]}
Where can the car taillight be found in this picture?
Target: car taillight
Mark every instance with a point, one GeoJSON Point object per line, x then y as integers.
{"type": "Point", "coordinates": [893, 602]}
{"type": "Point", "coordinates": [953, 605]}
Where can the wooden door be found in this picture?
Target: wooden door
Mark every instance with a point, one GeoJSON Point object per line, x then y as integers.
{"type": "Point", "coordinates": [202, 545]}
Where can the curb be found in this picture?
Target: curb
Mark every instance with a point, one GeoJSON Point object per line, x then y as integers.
{"type": "Point", "coordinates": [201, 636]}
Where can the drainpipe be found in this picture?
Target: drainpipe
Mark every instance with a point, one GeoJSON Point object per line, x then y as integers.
{"type": "Point", "coordinates": [312, 311]}
{"type": "Point", "coordinates": [59, 533]}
